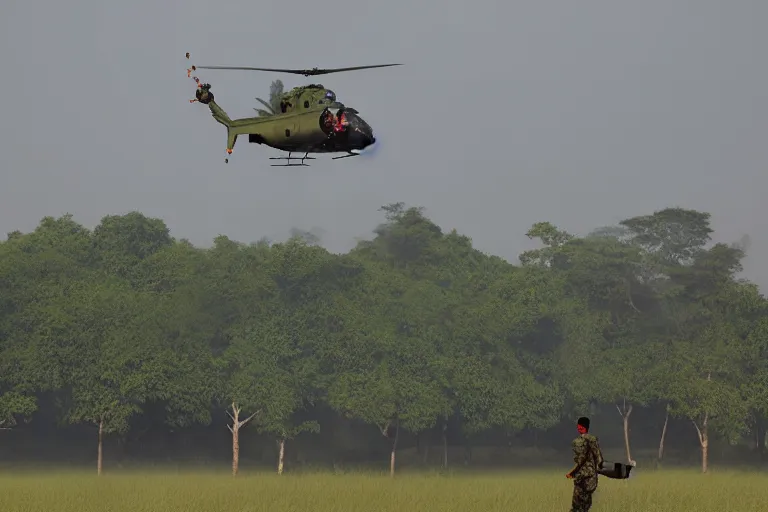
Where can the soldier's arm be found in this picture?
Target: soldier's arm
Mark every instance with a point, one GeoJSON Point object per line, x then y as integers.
{"type": "Point", "coordinates": [599, 460]}
{"type": "Point", "coordinates": [579, 456]}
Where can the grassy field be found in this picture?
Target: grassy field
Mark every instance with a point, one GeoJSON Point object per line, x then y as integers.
{"type": "Point", "coordinates": [667, 491]}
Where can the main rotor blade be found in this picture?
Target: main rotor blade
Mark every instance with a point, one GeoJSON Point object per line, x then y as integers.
{"type": "Point", "coordinates": [305, 72]}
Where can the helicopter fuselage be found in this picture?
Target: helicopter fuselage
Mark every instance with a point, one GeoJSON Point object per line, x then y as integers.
{"type": "Point", "coordinates": [329, 129]}
{"type": "Point", "coordinates": [307, 132]}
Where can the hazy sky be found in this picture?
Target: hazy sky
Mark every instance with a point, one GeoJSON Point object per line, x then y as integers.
{"type": "Point", "coordinates": [582, 113]}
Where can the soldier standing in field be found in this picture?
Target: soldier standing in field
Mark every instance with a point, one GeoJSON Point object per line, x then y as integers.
{"type": "Point", "coordinates": [588, 458]}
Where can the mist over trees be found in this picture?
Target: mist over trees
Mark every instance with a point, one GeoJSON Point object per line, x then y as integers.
{"type": "Point", "coordinates": [122, 343]}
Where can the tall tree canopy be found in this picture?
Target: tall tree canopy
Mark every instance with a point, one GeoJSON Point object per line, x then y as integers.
{"type": "Point", "coordinates": [413, 336]}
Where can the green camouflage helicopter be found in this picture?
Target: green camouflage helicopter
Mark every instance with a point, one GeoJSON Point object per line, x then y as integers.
{"type": "Point", "coordinates": [310, 119]}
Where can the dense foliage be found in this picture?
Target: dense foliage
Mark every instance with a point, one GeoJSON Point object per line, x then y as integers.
{"type": "Point", "coordinates": [414, 333]}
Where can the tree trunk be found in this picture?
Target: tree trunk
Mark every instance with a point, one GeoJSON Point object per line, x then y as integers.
{"type": "Point", "coordinates": [704, 442]}
{"type": "Point", "coordinates": [281, 457]}
{"type": "Point", "coordinates": [760, 436]}
{"type": "Point", "coordinates": [445, 444]}
{"type": "Point", "coordinates": [625, 412]}
{"type": "Point", "coordinates": [703, 434]}
{"type": "Point", "coordinates": [663, 435]}
{"type": "Point", "coordinates": [100, 455]}
{"type": "Point", "coordinates": [235, 442]}
{"type": "Point", "coordinates": [394, 449]}
{"type": "Point", "coordinates": [237, 424]}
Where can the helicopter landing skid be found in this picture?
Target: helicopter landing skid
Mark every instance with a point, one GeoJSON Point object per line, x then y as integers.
{"type": "Point", "coordinates": [344, 156]}
{"type": "Point", "coordinates": [289, 164]}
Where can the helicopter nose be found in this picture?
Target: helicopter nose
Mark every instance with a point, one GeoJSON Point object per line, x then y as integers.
{"type": "Point", "coordinates": [361, 139]}
{"type": "Point", "coordinates": [361, 134]}
{"type": "Point", "coordinates": [368, 138]}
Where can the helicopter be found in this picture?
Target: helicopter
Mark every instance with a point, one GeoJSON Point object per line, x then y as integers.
{"type": "Point", "coordinates": [311, 120]}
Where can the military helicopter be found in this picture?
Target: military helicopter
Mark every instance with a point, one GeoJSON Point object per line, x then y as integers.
{"type": "Point", "coordinates": [310, 120]}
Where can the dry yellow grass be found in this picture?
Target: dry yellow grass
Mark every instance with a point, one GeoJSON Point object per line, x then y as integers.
{"type": "Point", "coordinates": [667, 491]}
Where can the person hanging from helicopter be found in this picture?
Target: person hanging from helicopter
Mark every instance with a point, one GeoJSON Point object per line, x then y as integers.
{"type": "Point", "coordinates": [341, 122]}
{"type": "Point", "coordinates": [328, 122]}
{"type": "Point", "coordinates": [333, 124]}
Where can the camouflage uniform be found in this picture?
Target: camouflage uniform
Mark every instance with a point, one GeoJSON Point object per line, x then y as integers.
{"type": "Point", "coordinates": [588, 458]}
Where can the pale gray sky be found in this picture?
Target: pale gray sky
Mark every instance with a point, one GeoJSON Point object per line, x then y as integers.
{"type": "Point", "coordinates": [505, 113]}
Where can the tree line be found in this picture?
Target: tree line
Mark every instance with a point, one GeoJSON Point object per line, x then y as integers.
{"type": "Point", "coordinates": [412, 332]}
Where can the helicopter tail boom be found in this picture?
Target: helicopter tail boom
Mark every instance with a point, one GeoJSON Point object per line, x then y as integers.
{"type": "Point", "coordinates": [205, 96]}
{"type": "Point", "coordinates": [222, 117]}
{"type": "Point", "coordinates": [219, 114]}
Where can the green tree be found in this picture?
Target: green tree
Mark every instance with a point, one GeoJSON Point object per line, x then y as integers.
{"type": "Point", "coordinates": [13, 404]}
{"type": "Point", "coordinates": [754, 309]}
{"type": "Point", "coordinates": [16, 394]}
{"type": "Point", "coordinates": [519, 340]}
{"type": "Point", "coordinates": [599, 279]}
{"type": "Point", "coordinates": [706, 347]}
{"type": "Point", "coordinates": [37, 270]}
{"type": "Point", "coordinates": [268, 374]}
{"type": "Point", "coordinates": [382, 364]}
{"type": "Point", "coordinates": [121, 242]}
{"type": "Point", "coordinates": [107, 355]}
{"type": "Point", "coordinates": [415, 331]}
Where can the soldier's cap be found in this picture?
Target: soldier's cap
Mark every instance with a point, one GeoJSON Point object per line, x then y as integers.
{"type": "Point", "coordinates": [584, 422]}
